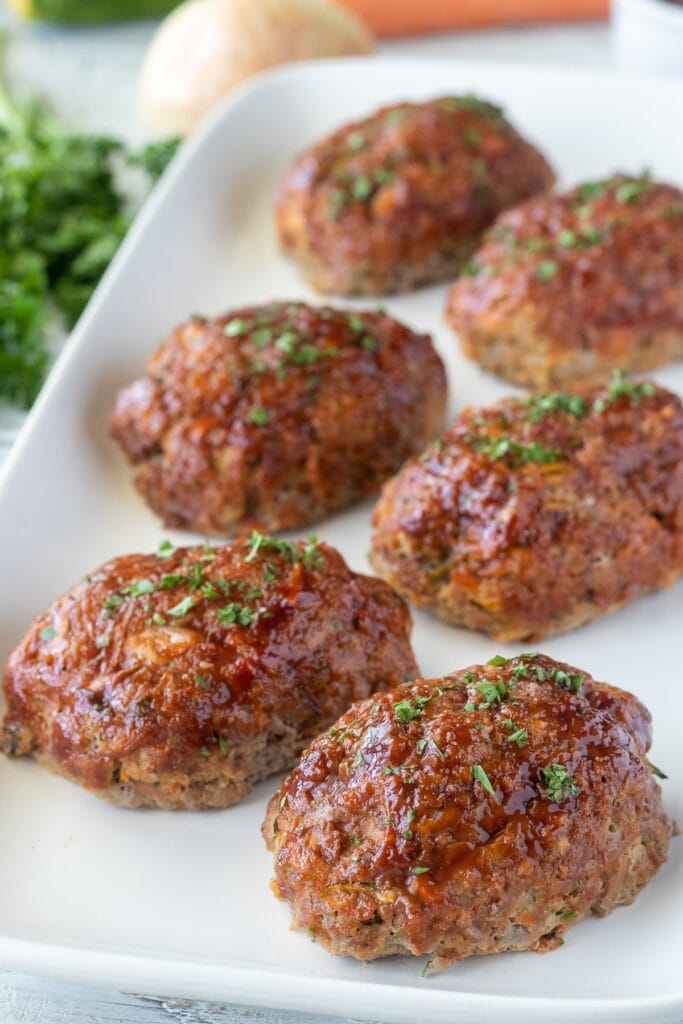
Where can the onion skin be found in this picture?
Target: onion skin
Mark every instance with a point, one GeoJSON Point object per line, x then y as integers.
{"type": "Point", "coordinates": [206, 47]}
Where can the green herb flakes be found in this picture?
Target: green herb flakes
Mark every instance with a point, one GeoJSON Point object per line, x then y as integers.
{"type": "Point", "coordinates": [259, 416]}
{"type": "Point", "coordinates": [622, 387]}
{"type": "Point", "coordinates": [406, 712]}
{"type": "Point", "coordinates": [165, 549]}
{"type": "Point", "coordinates": [47, 633]}
{"type": "Point", "coordinates": [182, 608]}
{"type": "Point", "coordinates": [558, 782]}
{"type": "Point", "coordinates": [520, 737]}
{"type": "Point", "coordinates": [547, 270]}
{"type": "Point", "coordinates": [235, 613]}
{"type": "Point", "coordinates": [481, 776]}
{"type": "Point", "coordinates": [541, 406]}
{"type": "Point", "coordinates": [235, 328]}
{"type": "Point", "coordinates": [355, 141]}
{"type": "Point", "coordinates": [496, 448]}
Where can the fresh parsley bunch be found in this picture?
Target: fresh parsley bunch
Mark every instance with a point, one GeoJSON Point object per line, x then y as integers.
{"type": "Point", "coordinates": [62, 218]}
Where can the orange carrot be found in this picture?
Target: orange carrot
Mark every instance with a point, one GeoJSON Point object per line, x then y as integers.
{"type": "Point", "coordinates": [404, 17]}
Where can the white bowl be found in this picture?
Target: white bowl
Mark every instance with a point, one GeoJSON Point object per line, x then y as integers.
{"type": "Point", "coordinates": [648, 35]}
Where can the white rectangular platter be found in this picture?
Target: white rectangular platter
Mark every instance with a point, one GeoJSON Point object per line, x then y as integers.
{"type": "Point", "coordinates": [179, 903]}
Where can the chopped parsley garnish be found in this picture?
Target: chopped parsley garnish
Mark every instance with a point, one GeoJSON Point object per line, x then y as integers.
{"type": "Point", "coordinates": [558, 781]}
{"type": "Point", "coordinates": [112, 602]}
{"type": "Point", "coordinates": [420, 870]}
{"type": "Point", "coordinates": [481, 776]}
{"type": "Point", "coordinates": [200, 681]}
{"type": "Point", "coordinates": [103, 640]}
{"type": "Point", "coordinates": [339, 200]}
{"type": "Point", "coordinates": [223, 744]}
{"type": "Point", "coordinates": [568, 239]}
{"type": "Point", "coordinates": [235, 613]}
{"type": "Point", "coordinates": [569, 915]}
{"type": "Point", "coordinates": [259, 416]}
{"type": "Point", "coordinates": [236, 327]}
{"type": "Point", "coordinates": [356, 141]}
{"type": "Point", "coordinates": [630, 191]}
{"type": "Point", "coordinates": [311, 556]}
{"type": "Point", "coordinates": [496, 448]}
{"type": "Point", "coordinates": [165, 549]}
{"type": "Point", "coordinates": [407, 712]}
{"type": "Point", "coordinates": [546, 270]}
{"type": "Point", "coordinates": [496, 660]}
{"type": "Point", "coordinates": [138, 588]}
{"type": "Point", "coordinates": [182, 608]}
{"type": "Point", "coordinates": [359, 760]}
{"type": "Point", "coordinates": [622, 387]}
{"type": "Point", "coordinates": [362, 187]}
{"type": "Point", "coordinates": [520, 737]}
{"type": "Point", "coordinates": [171, 580]}
{"type": "Point", "coordinates": [493, 693]}
{"type": "Point", "coordinates": [541, 406]}
{"type": "Point", "coordinates": [205, 752]}
{"type": "Point", "coordinates": [571, 681]}
{"type": "Point", "coordinates": [469, 102]}
{"type": "Point", "coordinates": [47, 633]}
{"type": "Point", "coordinates": [471, 137]}
{"type": "Point", "coordinates": [396, 116]}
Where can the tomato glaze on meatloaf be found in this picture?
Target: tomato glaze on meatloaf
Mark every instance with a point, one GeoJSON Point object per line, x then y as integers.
{"type": "Point", "coordinates": [275, 416]}
{"type": "Point", "coordinates": [570, 287]}
{"type": "Point", "coordinates": [484, 812]}
{"type": "Point", "coordinates": [400, 199]}
{"type": "Point", "coordinates": [178, 680]}
{"type": "Point", "coordinates": [536, 515]}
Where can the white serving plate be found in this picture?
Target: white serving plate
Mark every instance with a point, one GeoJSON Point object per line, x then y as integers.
{"type": "Point", "coordinates": [179, 903]}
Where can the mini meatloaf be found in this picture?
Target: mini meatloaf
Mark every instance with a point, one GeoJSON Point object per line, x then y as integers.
{"type": "Point", "coordinates": [570, 287]}
{"type": "Point", "coordinates": [401, 199]}
{"type": "Point", "coordinates": [179, 680]}
{"type": "Point", "coordinates": [276, 416]}
{"type": "Point", "coordinates": [484, 812]}
{"type": "Point", "coordinates": [533, 516]}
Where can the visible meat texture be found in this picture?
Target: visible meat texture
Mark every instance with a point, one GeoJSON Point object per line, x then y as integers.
{"type": "Point", "coordinates": [569, 287]}
{"type": "Point", "coordinates": [400, 199]}
{"type": "Point", "coordinates": [180, 681]}
{"type": "Point", "coordinates": [537, 515]}
{"type": "Point", "coordinates": [484, 812]}
{"type": "Point", "coordinates": [276, 416]}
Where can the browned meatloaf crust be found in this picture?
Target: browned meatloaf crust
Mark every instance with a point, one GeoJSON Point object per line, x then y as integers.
{"type": "Point", "coordinates": [533, 516]}
{"type": "Point", "coordinates": [569, 287]}
{"type": "Point", "coordinates": [400, 199]}
{"type": "Point", "coordinates": [275, 416]}
{"type": "Point", "coordinates": [180, 680]}
{"type": "Point", "coordinates": [483, 812]}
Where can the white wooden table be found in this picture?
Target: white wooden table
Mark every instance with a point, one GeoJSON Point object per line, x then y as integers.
{"type": "Point", "coordinates": [90, 77]}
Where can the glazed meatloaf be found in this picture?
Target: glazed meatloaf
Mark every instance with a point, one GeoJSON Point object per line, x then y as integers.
{"type": "Point", "coordinates": [569, 287]}
{"type": "Point", "coordinates": [179, 680]}
{"type": "Point", "coordinates": [484, 812]}
{"type": "Point", "coordinates": [401, 198]}
{"type": "Point", "coordinates": [535, 515]}
{"type": "Point", "coordinates": [275, 416]}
